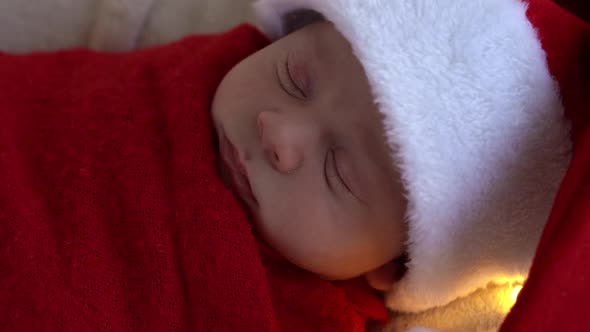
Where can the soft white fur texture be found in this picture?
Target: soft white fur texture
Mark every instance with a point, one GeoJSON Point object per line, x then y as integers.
{"type": "Point", "coordinates": [476, 122]}
{"type": "Point", "coordinates": [482, 311]}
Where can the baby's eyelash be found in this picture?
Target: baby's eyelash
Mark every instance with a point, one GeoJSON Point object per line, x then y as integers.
{"type": "Point", "coordinates": [293, 81]}
{"type": "Point", "coordinates": [289, 82]}
{"type": "Point", "coordinates": [331, 157]}
{"type": "Point", "coordinates": [333, 171]}
{"type": "Point", "coordinates": [326, 171]}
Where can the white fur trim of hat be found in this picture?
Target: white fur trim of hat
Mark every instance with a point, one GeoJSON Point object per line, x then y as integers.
{"type": "Point", "coordinates": [477, 124]}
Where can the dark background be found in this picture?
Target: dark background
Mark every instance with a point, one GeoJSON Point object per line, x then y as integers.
{"type": "Point", "coordinates": [580, 8]}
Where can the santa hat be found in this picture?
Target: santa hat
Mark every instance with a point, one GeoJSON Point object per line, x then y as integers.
{"type": "Point", "coordinates": [477, 126]}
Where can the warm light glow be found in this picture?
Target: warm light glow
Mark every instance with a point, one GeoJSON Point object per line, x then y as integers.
{"type": "Point", "coordinates": [514, 294]}
{"type": "Point", "coordinates": [508, 297]}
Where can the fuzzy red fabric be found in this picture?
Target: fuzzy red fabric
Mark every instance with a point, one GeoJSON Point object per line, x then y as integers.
{"type": "Point", "coordinates": [555, 296]}
{"type": "Point", "coordinates": [112, 214]}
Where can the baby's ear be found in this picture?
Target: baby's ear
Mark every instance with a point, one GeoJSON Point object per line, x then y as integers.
{"type": "Point", "coordinates": [383, 277]}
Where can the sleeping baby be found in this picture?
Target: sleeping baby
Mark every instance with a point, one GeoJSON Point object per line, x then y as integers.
{"type": "Point", "coordinates": [417, 144]}
{"type": "Point", "coordinates": [358, 146]}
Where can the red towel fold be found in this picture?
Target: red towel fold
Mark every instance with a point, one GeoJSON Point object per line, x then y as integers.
{"type": "Point", "coordinates": [556, 293]}
{"type": "Point", "coordinates": [112, 215]}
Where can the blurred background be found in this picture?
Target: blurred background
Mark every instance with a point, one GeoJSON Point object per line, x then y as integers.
{"type": "Point", "coordinates": [112, 25]}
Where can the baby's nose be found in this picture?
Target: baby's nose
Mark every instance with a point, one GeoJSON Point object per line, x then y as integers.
{"type": "Point", "coordinates": [280, 141]}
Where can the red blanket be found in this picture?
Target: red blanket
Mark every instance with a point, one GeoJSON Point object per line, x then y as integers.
{"type": "Point", "coordinates": [556, 295]}
{"type": "Point", "coordinates": [112, 215]}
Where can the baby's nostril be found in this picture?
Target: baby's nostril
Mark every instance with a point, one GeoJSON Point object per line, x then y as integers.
{"type": "Point", "coordinates": [276, 157]}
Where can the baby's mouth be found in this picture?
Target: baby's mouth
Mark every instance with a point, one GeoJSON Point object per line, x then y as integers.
{"type": "Point", "coordinates": [237, 173]}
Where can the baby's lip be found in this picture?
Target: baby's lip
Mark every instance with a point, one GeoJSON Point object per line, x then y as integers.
{"type": "Point", "coordinates": [238, 173]}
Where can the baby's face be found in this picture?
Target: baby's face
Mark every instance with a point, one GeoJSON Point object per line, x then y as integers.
{"type": "Point", "coordinates": [297, 124]}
